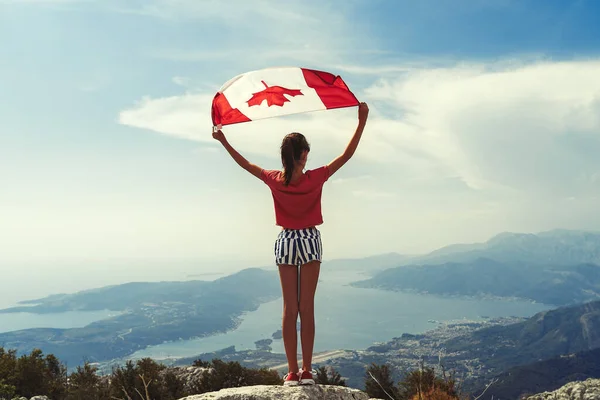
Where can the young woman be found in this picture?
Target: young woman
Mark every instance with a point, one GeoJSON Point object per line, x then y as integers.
{"type": "Point", "coordinates": [297, 201]}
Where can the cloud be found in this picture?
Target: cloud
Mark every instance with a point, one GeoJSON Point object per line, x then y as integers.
{"type": "Point", "coordinates": [505, 127]}
{"type": "Point", "coordinates": [181, 81]}
{"type": "Point", "coordinates": [529, 127]}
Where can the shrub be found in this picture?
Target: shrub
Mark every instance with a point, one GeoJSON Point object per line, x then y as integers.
{"type": "Point", "coordinates": [222, 375]}
{"type": "Point", "coordinates": [328, 376]}
{"type": "Point", "coordinates": [379, 383]}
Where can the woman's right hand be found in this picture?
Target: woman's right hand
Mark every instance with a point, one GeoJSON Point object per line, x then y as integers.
{"type": "Point", "coordinates": [363, 112]}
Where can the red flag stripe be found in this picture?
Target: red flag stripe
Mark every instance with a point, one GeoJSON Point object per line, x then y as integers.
{"type": "Point", "coordinates": [331, 89]}
{"type": "Point", "coordinates": [224, 114]}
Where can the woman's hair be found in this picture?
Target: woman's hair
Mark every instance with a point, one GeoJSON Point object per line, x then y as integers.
{"type": "Point", "coordinates": [292, 146]}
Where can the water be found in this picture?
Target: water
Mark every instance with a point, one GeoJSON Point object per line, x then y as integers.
{"type": "Point", "coordinates": [64, 320]}
{"type": "Point", "coordinates": [348, 318]}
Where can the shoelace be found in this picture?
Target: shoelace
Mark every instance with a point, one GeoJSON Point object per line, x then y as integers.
{"type": "Point", "coordinates": [312, 372]}
{"type": "Point", "coordinates": [288, 374]}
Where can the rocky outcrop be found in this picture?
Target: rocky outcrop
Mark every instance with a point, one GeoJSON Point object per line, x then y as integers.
{"type": "Point", "coordinates": [583, 390]}
{"type": "Point", "coordinates": [269, 392]}
{"type": "Point", "coordinates": [190, 376]}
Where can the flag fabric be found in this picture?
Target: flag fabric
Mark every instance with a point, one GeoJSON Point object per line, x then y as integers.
{"type": "Point", "coordinates": [274, 92]}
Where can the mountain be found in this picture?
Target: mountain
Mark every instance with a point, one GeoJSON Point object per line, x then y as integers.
{"type": "Point", "coordinates": [558, 285]}
{"type": "Point", "coordinates": [548, 334]}
{"type": "Point", "coordinates": [151, 313]}
{"type": "Point", "coordinates": [478, 351]}
{"type": "Point", "coordinates": [545, 376]}
{"type": "Point", "coordinates": [555, 247]}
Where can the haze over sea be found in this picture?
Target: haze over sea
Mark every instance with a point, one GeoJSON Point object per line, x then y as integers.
{"type": "Point", "coordinates": [350, 318]}
{"type": "Point", "coordinates": [382, 315]}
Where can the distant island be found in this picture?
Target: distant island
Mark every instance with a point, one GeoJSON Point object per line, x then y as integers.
{"type": "Point", "coordinates": [487, 278]}
{"type": "Point", "coordinates": [150, 314]}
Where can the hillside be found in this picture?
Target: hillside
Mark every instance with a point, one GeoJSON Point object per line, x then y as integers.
{"type": "Point", "coordinates": [565, 330]}
{"type": "Point", "coordinates": [545, 376]}
{"type": "Point", "coordinates": [558, 285]}
{"type": "Point", "coordinates": [478, 351]}
{"type": "Point", "coordinates": [151, 313]}
{"type": "Point", "coordinates": [555, 247]}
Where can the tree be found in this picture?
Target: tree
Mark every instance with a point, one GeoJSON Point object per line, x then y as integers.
{"type": "Point", "coordinates": [8, 368]}
{"type": "Point", "coordinates": [31, 376]}
{"type": "Point", "coordinates": [174, 386]}
{"type": "Point", "coordinates": [379, 383]}
{"type": "Point", "coordinates": [7, 391]}
{"type": "Point", "coordinates": [85, 384]}
{"type": "Point", "coordinates": [424, 384]}
{"type": "Point", "coordinates": [56, 377]}
{"type": "Point", "coordinates": [329, 376]}
{"type": "Point", "coordinates": [222, 375]}
{"type": "Point", "coordinates": [123, 381]}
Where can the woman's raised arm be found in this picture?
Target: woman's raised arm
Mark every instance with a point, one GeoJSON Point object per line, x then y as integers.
{"type": "Point", "coordinates": [239, 159]}
{"type": "Point", "coordinates": [337, 163]}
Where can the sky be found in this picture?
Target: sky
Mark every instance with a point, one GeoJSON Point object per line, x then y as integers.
{"type": "Point", "coordinates": [484, 118]}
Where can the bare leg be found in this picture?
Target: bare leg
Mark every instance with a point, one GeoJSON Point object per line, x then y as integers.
{"type": "Point", "coordinates": [289, 287]}
{"type": "Point", "coordinates": [309, 276]}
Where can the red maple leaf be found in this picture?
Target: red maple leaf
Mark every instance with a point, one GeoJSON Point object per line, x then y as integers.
{"type": "Point", "coordinates": [273, 94]}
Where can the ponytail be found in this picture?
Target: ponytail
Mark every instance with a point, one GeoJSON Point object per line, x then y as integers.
{"type": "Point", "coordinates": [292, 147]}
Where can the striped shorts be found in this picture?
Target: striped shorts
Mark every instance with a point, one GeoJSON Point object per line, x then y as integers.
{"type": "Point", "coordinates": [298, 246]}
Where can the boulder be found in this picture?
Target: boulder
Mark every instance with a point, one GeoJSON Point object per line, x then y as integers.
{"type": "Point", "coordinates": [270, 392]}
{"type": "Point", "coordinates": [582, 390]}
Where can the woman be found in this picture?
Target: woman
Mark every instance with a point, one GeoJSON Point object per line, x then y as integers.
{"type": "Point", "coordinates": [297, 202]}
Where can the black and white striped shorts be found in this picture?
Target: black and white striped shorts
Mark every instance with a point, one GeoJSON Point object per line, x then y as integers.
{"type": "Point", "coordinates": [298, 246]}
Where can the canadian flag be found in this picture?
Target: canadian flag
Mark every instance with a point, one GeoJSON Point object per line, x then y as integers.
{"type": "Point", "coordinates": [273, 92]}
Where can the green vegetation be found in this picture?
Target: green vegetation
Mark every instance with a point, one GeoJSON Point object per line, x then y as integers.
{"type": "Point", "coordinates": [329, 376]}
{"type": "Point", "coordinates": [35, 374]}
{"type": "Point", "coordinates": [547, 375]}
{"type": "Point", "coordinates": [419, 384]}
{"type": "Point", "coordinates": [38, 374]}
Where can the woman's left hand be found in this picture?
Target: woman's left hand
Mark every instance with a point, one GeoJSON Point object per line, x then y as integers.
{"type": "Point", "coordinates": [219, 135]}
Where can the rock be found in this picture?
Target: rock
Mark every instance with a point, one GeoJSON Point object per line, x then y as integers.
{"type": "Point", "coordinates": [189, 375]}
{"type": "Point", "coordinates": [271, 392]}
{"type": "Point", "coordinates": [40, 398]}
{"type": "Point", "coordinates": [582, 390]}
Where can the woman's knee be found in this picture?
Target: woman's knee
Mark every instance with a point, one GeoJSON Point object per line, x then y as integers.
{"type": "Point", "coordinates": [307, 307]}
{"type": "Point", "coordinates": [290, 311]}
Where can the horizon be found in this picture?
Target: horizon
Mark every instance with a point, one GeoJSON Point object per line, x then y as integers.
{"type": "Point", "coordinates": [97, 278]}
{"type": "Point", "coordinates": [487, 124]}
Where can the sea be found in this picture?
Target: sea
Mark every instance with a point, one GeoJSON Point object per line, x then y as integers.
{"type": "Point", "coordinates": [350, 318]}
{"type": "Point", "coordinates": [346, 318]}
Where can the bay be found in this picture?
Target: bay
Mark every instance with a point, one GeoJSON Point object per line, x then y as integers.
{"type": "Point", "coordinates": [349, 318]}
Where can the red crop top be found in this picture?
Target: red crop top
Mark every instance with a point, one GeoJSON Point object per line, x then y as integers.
{"type": "Point", "coordinates": [297, 205]}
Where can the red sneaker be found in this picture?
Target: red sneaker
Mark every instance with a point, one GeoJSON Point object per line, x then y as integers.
{"type": "Point", "coordinates": [291, 379]}
{"type": "Point", "coordinates": [306, 378]}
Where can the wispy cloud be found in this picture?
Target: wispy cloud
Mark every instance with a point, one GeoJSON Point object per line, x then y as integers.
{"type": "Point", "coordinates": [181, 81]}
